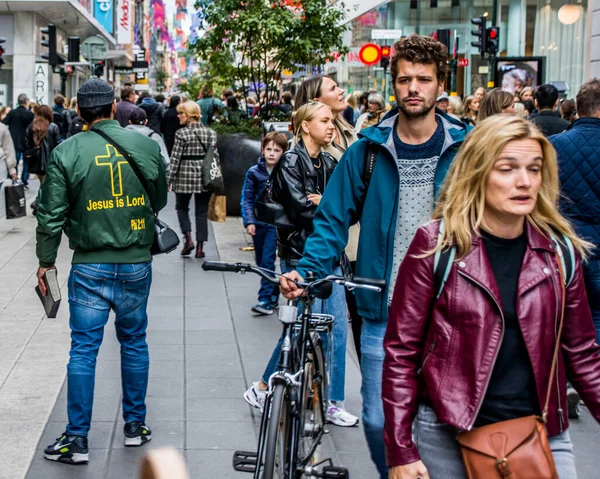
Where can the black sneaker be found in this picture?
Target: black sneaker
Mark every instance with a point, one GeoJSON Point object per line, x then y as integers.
{"type": "Point", "coordinates": [263, 308]}
{"type": "Point", "coordinates": [136, 434]}
{"type": "Point", "coordinates": [68, 449]}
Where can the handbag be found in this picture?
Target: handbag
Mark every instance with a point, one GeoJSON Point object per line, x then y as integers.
{"type": "Point", "coordinates": [165, 239]}
{"type": "Point", "coordinates": [268, 211]}
{"type": "Point", "coordinates": [517, 448]}
{"type": "Point", "coordinates": [212, 177]}
{"type": "Point", "coordinates": [14, 196]}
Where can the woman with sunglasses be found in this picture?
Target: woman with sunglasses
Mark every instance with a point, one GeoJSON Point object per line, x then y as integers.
{"type": "Point", "coordinates": [185, 175]}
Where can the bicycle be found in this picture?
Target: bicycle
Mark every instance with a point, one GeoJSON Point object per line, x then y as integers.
{"type": "Point", "coordinates": [293, 419]}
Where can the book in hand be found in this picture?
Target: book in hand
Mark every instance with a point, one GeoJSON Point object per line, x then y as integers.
{"type": "Point", "coordinates": [51, 301]}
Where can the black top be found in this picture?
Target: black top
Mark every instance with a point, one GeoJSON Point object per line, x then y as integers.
{"type": "Point", "coordinates": [17, 121]}
{"type": "Point", "coordinates": [318, 164]}
{"type": "Point", "coordinates": [511, 392]}
{"type": "Point", "coordinates": [549, 123]}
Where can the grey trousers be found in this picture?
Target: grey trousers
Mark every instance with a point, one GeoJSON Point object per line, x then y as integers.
{"type": "Point", "coordinates": [440, 453]}
{"type": "Point", "coordinates": [182, 205]}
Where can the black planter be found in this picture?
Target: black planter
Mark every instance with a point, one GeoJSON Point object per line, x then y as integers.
{"type": "Point", "coordinates": [237, 153]}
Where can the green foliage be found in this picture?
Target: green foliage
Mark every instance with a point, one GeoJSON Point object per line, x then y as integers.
{"type": "Point", "coordinates": [252, 41]}
{"type": "Point", "coordinates": [192, 85]}
{"type": "Point", "coordinates": [161, 77]}
{"type": "Point", "coordinates": [249, 127]}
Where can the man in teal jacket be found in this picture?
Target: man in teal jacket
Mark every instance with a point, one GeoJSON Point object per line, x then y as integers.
{"type": "Point", "coordinates": [92, 193]}
{"type": "Point", "coordinates": [415, 146]}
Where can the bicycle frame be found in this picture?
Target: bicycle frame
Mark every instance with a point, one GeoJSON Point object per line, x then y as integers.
{"type": "Point", "coordinates": [289, 373]}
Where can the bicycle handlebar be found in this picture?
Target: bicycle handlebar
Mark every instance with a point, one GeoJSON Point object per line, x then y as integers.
{"type": "Point", "coordinates": [371, 284]}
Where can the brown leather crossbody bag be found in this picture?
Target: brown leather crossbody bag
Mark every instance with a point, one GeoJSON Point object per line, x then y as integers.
{"type": "Point", "coordinates": [518, 448]}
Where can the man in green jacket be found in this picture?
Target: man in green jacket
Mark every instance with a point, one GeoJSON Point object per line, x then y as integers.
{"type": "Point", "coordinates": [94, 196]}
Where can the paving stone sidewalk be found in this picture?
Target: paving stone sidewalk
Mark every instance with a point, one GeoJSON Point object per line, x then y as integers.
{"type": "Point", "coordinates": [206, 347]}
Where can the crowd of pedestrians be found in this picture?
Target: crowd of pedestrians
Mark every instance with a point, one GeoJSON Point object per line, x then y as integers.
{"type": "Point", "coordinates": [483, 210]}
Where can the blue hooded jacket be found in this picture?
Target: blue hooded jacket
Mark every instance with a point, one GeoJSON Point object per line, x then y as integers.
{"type": "Point", "coordinates": [578, 150]}
{"type": "Point", "coordinates": [254, 183]}
{"type": "Point", "coordinates": [342, 201]}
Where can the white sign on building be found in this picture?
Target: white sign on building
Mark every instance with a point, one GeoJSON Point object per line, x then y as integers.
{"type": "Point", "coordinates": [41, 88]}
{"type": "Point", "coordinates": [124, 22]}
{"type": "Point", "coordinates": [3, 94]}
{"type": "Point", "coordinates": [386, 34]}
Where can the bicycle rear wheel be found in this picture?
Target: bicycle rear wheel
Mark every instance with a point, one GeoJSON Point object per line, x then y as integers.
{"type": "Point", "coordinates": [278, 434]}
{"type": "Point", "coordinates": [313, 403]}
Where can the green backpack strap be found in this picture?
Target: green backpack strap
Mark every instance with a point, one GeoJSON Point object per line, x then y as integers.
{"type": "Point", "coordinates": [566, 253]}
{"type": "Point", "coordinates": [443, 259]}
{"type": "Point", "coordinates": [442, 263]}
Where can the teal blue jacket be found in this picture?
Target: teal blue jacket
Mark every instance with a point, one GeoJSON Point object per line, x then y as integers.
{"type": "Point", "coordinates": [341, 207]}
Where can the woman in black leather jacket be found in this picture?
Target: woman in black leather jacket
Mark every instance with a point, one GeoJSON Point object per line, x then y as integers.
{"type": "Point", "coordinates": [299, 180]}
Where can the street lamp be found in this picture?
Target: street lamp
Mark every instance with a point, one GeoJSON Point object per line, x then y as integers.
{"type": "Point", "coordinates": [569, 14]}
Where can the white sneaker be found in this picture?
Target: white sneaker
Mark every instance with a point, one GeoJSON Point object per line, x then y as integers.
{"type": "Point", "coordinates": [337, 415]}
{"type": "Point", "coordinates": [256, 397]}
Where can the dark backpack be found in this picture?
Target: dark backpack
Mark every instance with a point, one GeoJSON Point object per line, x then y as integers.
{"type": "Point", "coordinates": [444, 258]}
{"type": "Point", "coordinates": [61, 121]}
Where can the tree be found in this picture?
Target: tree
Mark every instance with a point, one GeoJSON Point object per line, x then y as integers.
{"type": "Point", "coordinates": [251, 42]}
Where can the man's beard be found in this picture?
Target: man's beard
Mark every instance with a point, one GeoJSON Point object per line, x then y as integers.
{"type": "Point", "coordinates": [412, 114]}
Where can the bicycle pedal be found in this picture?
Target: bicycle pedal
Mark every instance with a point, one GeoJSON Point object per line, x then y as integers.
{"type": "Point", "coordinates": [245, 461]}
{"type": "Point", "coordinates": [332, 472]}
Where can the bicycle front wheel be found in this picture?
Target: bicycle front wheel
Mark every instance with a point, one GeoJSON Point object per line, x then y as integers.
{"type": "Point", "coordinates": [278, 434]}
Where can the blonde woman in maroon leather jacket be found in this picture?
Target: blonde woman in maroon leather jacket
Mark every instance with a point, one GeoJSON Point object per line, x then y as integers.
{"type": "Point", "coordinates": [481, 352]}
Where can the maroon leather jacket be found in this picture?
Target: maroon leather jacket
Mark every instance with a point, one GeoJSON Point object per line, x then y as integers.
{"type": "Point", "coordinates": [443, 351]}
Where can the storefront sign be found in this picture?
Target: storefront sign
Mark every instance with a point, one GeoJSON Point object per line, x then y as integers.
{"type": "Point", "coordinates": [123, 71]}
{"type": "Point", "coordinates": [386, 34]}
{"type": "Point", "coordinates": [140, 67]}
{"type": "Point", "coordinates": [463, 62]}
{"type": "Point", "coordinates": [124, 22]}
{"type": "Point", "coordinates": [41, 89]}
{"type": "Point", "coordinates": [94, 48]}
{"type": "Point", "coordinates": [103, 12]}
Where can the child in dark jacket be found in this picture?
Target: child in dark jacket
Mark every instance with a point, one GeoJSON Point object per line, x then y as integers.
{"type": "Point", "coordinates": [264, 236]}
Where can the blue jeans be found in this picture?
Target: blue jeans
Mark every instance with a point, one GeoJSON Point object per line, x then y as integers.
{"type": "Point", "coordinates": [439, 451]}
{"type": "Point", "coordinates": [95, 289]}
{"type": "Point", "coordinates": [336, 306]}
{"type": "Point", "coordinates": [591, 272]}
{"type": "Point", "coordinates": [265, 251]}
{"type": "Point", "coordinates": [371, 363]}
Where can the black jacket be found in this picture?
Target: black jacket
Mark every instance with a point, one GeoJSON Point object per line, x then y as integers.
{"type": "Point", "coordinates": [294, 178]}
{"type": "Point", "coordinates": [154, 112]}
{"type": "Point", "coordinates": [17, 121]}
{"type": "Point", "coordinates": [549, 123]}
{"type": "Point", "coordinates": [169, 126]}
{"type": "Point", "coordinates": [50, 142]}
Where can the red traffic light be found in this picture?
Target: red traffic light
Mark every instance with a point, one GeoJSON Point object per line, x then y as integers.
{"type": "Point", "coordinates": [369, 54]}
{"type": "Point", "coordinates": [386, 51]}
{"type": "Point", "coordinates": [493, 33]}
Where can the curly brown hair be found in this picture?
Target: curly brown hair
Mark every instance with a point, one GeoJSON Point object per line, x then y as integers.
{"type": "Point", "coordinates": [420, 49]}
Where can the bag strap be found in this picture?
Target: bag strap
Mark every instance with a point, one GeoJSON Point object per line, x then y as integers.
{"type": "Point", "coordinates": [442, 263]}
{"type": "Point", "coordinates": [129, 159]}
{"type": "Point", "coordinates": [559, 261]}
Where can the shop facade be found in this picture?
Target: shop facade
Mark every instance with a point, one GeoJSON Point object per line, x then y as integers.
{"type": "Point", "coordinates": [528, 28]}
